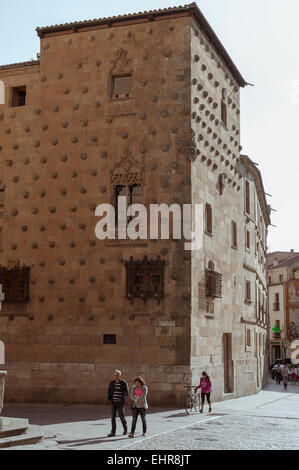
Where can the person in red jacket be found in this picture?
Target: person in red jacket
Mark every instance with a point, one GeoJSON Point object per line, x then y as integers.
{"type": "Point", "coordinates": [206, 387]}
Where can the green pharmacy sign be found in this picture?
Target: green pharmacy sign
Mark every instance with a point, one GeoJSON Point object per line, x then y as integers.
{"type": "Point", "coordinates": [276, 329]}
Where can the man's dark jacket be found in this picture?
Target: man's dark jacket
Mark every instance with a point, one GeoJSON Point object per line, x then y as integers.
{"type": "Point", "coordinates": [123, 386]}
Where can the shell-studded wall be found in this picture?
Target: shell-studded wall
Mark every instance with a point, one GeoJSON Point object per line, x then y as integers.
{"type": "Point", "coordinates": [61, 154]}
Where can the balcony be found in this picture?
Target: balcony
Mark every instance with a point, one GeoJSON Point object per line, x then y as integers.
{"type": "Point", "coordinates": [276, 307]}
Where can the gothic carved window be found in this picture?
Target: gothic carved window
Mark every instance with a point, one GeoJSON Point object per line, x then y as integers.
{"type": "Point", "coordinates": [127, 180]}
{"type": "Point", "coordinates": [132, 193]}
{"type": "Point", "coordinates": [15, 283]}
{"type": "Point", "coordinates": [213, 283]}
{"type": "Point", "coordinates": [145, 279]}
{"type": "Point", "coordinates": [121, 76]}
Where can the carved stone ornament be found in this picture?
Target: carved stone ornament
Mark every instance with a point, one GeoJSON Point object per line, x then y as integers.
{"type": "Point", "coordinates": [186, 144]}
{"type": "Point", "coordinates": [127, 171]}
{"type": "Point", "coordinates": [121, 63]}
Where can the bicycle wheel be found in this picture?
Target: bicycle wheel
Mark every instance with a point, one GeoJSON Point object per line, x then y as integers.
{"type": "Point", "coordinates": [196, 403]}
{"type": "Point", "coordinates": [188, 404]}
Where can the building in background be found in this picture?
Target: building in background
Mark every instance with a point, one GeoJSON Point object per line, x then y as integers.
{"type": "Point", "coordinates": [146, 106]}
{"type": "Point", "coordinates": [283, 287]}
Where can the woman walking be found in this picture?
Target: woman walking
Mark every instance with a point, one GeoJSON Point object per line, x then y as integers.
{"type": "Point", "coordinates": [206, 387]}
{"type": "Point", "coordinates": [138, 396]}
{"type": "Point", "coordinates": [293, 375]}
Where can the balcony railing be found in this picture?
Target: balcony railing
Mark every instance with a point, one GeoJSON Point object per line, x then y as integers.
{"type": "Point", "coordinates": [276, 307]}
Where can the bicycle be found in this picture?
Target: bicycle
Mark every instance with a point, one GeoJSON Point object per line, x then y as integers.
{"type": "Point", "coordinates": [192, 400]}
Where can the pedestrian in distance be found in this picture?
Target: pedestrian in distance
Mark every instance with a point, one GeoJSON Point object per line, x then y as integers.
{"type": "Point", "coordinates": [278, 374]}
{"type": "Point", "coordinates": [138, 395]}
{"type": "Point", "coordinates": [293, 375]}
{"type": "Point", "coordinates": [285, 376]}
{"type": "Point", "coordinates": [118, 392]}
{"type": "Point", "coordinates": [206, 387]}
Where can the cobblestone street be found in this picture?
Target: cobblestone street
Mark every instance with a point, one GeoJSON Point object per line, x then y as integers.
{"type": "Point", "coordinates": [269, 420]}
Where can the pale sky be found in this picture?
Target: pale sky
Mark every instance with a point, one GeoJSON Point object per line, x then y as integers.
{"type": "Point", "coordinates": [263, 40]}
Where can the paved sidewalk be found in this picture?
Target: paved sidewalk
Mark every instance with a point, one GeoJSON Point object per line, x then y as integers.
{"type": "Point", "coordinates": [84, 427]}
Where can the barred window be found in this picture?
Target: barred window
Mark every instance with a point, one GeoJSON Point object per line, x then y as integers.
{"type": "Point", "coordinates": [15, 283]}
{"type": "Point", "coordinates": [213, 284]}
{"type": "Point", "coordinates": [145, 279]}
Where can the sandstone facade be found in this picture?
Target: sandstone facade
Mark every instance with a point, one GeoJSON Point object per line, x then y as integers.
{"type": "Point", "coordinates": [177, 137]}
{"type": "Point", "coordinates": [283, 305]}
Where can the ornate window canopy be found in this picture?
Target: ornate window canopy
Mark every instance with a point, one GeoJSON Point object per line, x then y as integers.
{"type": "Point", "coordinates": [186, 144]}
{"type": "Point", "coordinates": [121, 64]}
{"type": "Point", "coordinates": [128, 171]}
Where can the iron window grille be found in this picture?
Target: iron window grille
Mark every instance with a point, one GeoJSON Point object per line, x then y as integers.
{"type": "Point", "coordinates": [15, 283]}
{"type": "Point", "coordinates": [145, 279]}
{"type": "Point", "coordinates": [213, 284]}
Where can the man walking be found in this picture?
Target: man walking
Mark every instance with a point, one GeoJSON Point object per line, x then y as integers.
{"type": "Point", "coordinates": [117, 394]}
{"type": "Point", "coordinates": [285, 375]}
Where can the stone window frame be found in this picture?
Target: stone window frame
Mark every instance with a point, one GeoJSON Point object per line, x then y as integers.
{"type": "Point", "coordinates": [14, 98]}
{"type": "Point", "coordinates": [247, 240]}
{"type": "Point", "coordinates": [208, 219]}
{"type": "Point", "coordinates": [248, 339]}
{"type": "Point", "coordinates": [113, 77]}
{"type": "Point", "coordinates": [247, 197]}
{"type": "Point", "coordinates": [109, 338]}
{"type": "Point", "coordinates": [223, 109]}
{"type": "Point", "coordinates": [248, 292]}
{"type": "Point", "coordinates": [234, 234]}
{"type": "Point", "coordinates": [121, 67]}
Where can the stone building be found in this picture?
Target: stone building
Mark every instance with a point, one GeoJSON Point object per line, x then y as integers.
{"type": "Point", "coordinates": [145, 106]}
{"type": "Point", "coordinates": [283, 305]}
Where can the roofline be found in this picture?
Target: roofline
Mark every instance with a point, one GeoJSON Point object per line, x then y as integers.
{"type": "Point", "coordinates": [247, 162]}
{"type": "Point", "coordinates": [285, 263]}
{"type": "Point", "coordinates": [191, 9]}
{"type": "Point", "coordinates": [18, 65]}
